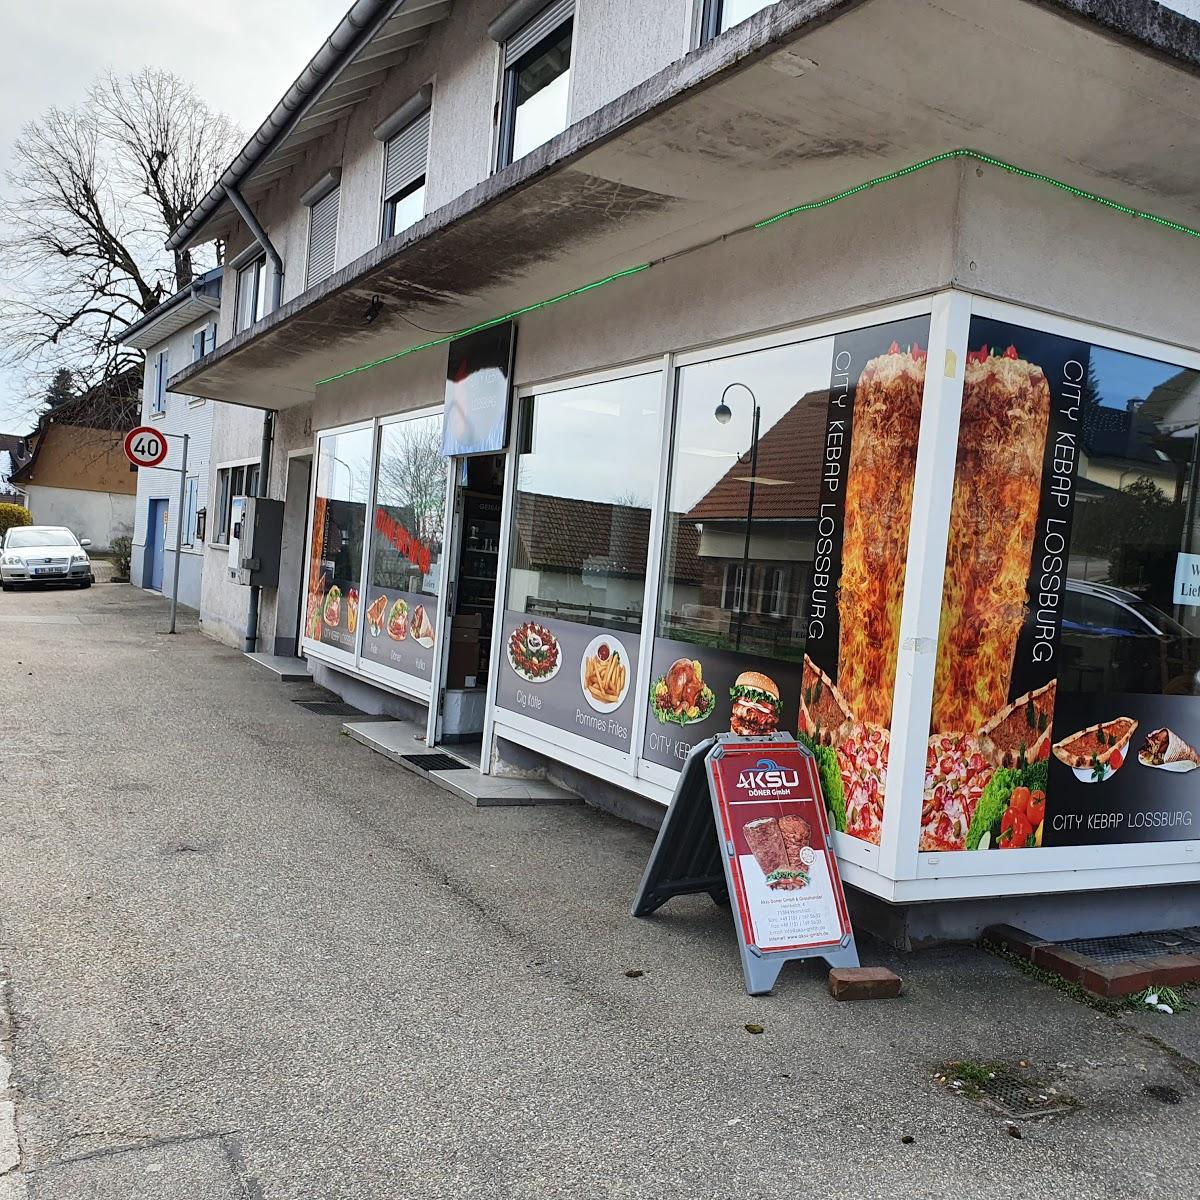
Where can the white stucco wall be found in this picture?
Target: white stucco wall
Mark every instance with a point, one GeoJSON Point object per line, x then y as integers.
{"type": "Point", "coordinates": [100, 516]}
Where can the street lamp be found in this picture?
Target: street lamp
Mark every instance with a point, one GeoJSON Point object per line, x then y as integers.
{"type": "Point", "coordinates": [723, 414]}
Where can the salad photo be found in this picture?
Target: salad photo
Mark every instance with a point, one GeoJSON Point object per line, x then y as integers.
{"type": "Point", "coordinates": [1011, 811]}
{"type": "Point", "coordinates": [397, 622]}
{"type": "Point", "coordinates": [680, 696]}
{"type": "Point", "coordinates": [332, 612]}
{"type": "Point", "coordinates": [534, 653]}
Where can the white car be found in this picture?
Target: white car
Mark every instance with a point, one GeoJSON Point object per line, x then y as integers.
{"type": "Point", "coordinates": [35, 554]}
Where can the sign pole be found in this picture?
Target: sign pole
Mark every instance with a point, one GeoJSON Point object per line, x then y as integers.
{"type": "Point", "coordinates": [179, 519]}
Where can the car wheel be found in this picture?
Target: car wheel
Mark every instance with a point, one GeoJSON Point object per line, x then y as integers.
{"type": "Point", "coordinates": [7, 587]}
{"type": "Point", "coordinates": [86, 583]}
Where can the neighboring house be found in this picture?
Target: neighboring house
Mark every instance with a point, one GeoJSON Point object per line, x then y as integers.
{"type": "Point", "coordinates": [179, 331]}
{"type": "Point", "coordinates": [77, 474]}
{"type": "Point", "coordinates": [14, 453]}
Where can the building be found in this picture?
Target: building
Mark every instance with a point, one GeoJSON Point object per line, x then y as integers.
{"type": "Point", "coordinates": [182, 329]}
{"type": "Point", "coordinates": [14, 450]}
{"type": "Point", "coordinates": [773, 269]}
{"type": "Point", "coordinates": [76, 473]}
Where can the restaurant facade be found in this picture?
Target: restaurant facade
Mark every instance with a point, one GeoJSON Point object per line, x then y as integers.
{"type": "Point", "coordinates": [905, 464]}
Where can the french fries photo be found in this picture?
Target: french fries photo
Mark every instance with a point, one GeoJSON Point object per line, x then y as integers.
{"type": "Point", "coordinates": [605, 680]}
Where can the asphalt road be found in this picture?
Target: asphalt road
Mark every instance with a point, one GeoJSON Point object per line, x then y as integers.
{"type": "Point", "coordinates": [250, 958]}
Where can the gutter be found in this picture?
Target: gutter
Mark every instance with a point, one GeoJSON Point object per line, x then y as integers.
{"type": "Point", "coordinates": [352, 33]}
{"type": "Point", "coordinates": [260, 236]}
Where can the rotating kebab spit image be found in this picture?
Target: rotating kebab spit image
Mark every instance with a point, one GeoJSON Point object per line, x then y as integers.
{"type": "Point", "coordinates": [848, 720]}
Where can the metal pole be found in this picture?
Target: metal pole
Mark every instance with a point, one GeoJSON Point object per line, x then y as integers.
{"type": "Point", "coordinates": [742, 608]}
{"type": "Point", "coordinates": [180, 515]}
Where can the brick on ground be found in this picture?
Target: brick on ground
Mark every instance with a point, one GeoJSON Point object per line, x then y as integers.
{"type": "Point", "coordinates": [863, 983]}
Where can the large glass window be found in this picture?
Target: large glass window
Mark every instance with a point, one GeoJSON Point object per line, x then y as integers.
{"type": "Point", "coordinates": [1065, 706]}
{"type": "Point", "coordinates": [720, 15]}
{"type": "Point", "coordinates": [405, 565]}
{"type": "Point", "coordinates": [339, 523]}
{"type": "Point", "coordinates": [251, 297]}
{"type": "Point", "coordinates": [786, 538]}
{"type": "Point", "coordinates": [586, 478]}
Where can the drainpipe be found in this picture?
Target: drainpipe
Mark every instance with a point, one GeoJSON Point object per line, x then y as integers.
{"type": "Point", "coordinates": [268, 430]}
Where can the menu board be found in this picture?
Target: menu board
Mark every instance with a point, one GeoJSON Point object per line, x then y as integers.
{"type": "Point", "coordinates": [400, 630]}
{"type": "Point", "coordinates": [574, 677]}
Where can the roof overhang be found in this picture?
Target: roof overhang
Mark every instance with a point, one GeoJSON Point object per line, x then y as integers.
{"type": "Point", "coordinates": [181, 310]}
{"type": "Point", "coordinates": [806, 99]}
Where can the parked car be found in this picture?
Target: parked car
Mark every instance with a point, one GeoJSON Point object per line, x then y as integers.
{"type": "Point", "coordinates": [40, 554]}
{"type": "Point", "coordinates": [1115, 641]}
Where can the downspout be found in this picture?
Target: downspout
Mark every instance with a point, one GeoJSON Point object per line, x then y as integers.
{"type": "Point", "coordinates": [268, 429]}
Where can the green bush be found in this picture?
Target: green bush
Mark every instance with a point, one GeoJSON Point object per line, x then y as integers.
{"type": "Point", "coordinates": [12, 515]}
{"type": "Point", "coordinates": [122, 549]}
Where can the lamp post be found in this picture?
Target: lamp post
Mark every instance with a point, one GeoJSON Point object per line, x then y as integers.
{"type": "Point", "coordinates": [723, 413]}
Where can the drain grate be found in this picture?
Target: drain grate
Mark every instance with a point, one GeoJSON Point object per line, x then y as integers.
{"type": "Point", "coordinates": [1010, 1093]}
{"type": "Point", "coordinates": [434, 762]}
{"type": "Point", "coordinates": [1128, 947]}
{"type": "Point", "coordinates": [330, 708]}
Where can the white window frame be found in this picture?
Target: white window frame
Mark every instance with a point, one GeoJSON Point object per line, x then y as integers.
{"type": "Point", "coordinates": [191, 503]}
{"type": "Point", "coordinates": [158, 399]}
{"type": "Point", "coordinates": [224, 498]}
{"type": "Point", "coordinates": [390, 198]}
{"type": "Point", "coordinates": [255, 268]}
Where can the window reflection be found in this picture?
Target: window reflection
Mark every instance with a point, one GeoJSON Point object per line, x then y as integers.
{"type": "Point", "coordinates": [585, 487]}
{"type": "Point", "coordinates": [740, 544]}
{"type": "Point", "coordinates": [733, 12]}
{"type": "Point", "coordinates": [541, 83]}
{"type": "Point", "coordinates": [338, 531]}
{"type": "Point", "coordinates": [1135, 514]}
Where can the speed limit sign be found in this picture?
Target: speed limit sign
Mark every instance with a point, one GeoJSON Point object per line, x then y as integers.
{"type": "Point", "coordinates": [145, 446]}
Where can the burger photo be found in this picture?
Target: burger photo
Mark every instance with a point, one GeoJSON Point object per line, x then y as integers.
{"type": "Point", "coordinates": [757, 707]}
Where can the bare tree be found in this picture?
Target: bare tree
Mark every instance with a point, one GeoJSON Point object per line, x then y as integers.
{"type": "Point", "coordinates": [412, 476]}
{"type": "Point", "coordinates": [95, 190]}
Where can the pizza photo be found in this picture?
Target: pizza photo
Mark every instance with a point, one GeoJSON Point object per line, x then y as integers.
{"type": "Point", "coordinates": [862, 753]}
{"type": "Point", "coordinates": [533, 652]}
{"type": "Point", "coordinates": [957, 769]}
{"type": "Point", "coordinates": [1020, 732]}
{"type": "Point", "coordinates": [1096, 753]}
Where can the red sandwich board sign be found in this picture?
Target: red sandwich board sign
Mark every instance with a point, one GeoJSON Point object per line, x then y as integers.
{"type": "Point", "coordinates": [768, 829]}
{"type": "Point", "coordinates": [145, 446]}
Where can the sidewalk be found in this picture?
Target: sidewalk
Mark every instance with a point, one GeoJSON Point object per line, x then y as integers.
{"type": "Point", "coordinates": [248, 957]}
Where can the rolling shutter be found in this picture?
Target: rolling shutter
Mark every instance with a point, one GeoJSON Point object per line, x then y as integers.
{"type": "Point", "coordinates": [322, 238]}
{"type": "Point", "coordinates": [405, 156]}
{"type": "Point", "coordinates": [544, 24]}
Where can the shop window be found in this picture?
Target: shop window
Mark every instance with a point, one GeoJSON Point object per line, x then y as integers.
{"type": "Point", "coordinates": [587, 474]}
{"type": "Point", "coordinates": [720, 15]}
{"type": "Point", "coordinates": [785, 541]}
{"type": "Point", "coordinates": [338, 535]}
{"type": "Point", "coordinates": [231, 482]}
{"type": "Point", "coordinates": [404, 570]}
{"type": "Point", "coordinates": [537, 80]}
{"type": "Point", "coordinates": [1069, 655]}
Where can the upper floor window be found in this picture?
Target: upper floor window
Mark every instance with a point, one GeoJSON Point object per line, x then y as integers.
{"type": "Point", "coordinates": [250, 302]}
{"type": "Point", "coordinates": [322, 203]}
{"type": "Point", "coordinates": [537, 80]}
{"type": "Point", "coordinates": [720, 15]}
{"type": "Point", "coordinates": [204, 341]}
{"type": "Point", "coordinates": [404, 159]}
{"type": "Point", "coordinates": [158, 401]}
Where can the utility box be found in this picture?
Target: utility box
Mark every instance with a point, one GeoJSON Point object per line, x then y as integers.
{"type": "Point", "coordinates": [260, 542]}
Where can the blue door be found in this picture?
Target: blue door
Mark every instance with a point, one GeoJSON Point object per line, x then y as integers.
{"type": "Point", "coordinates": [156, 535]}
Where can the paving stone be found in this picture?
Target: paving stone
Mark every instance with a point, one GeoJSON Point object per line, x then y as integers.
{"type": "Point", "coordinates": [1013, 939]}
{"type": "Point", "coordinates": [863, 983]}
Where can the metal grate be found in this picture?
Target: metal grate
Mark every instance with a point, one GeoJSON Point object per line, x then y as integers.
{"type": "Point", "coordinates": [330, 708]}
{"type": "Point", "coordinates": [1020, 1099]}
{"type": "Point", "coordinates": [1129, 946]}
{"type": "Point", "coordinates": [434, 762]}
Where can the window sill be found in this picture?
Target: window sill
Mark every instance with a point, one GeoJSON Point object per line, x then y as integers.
{"type": "Point", "coordinates": [217, 545]}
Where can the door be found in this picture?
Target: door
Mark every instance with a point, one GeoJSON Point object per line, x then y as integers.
{"type": "Point", "coordinates": [156, 530]}
{"type": "Point", "coordinates": [291, 554]}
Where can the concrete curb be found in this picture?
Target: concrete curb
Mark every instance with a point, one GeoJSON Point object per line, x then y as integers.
{"type": "Point", "coordinates": [12, 1181]}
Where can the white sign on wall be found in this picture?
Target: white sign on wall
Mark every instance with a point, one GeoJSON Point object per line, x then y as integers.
{"type": "Point", "coordinates": [1187, 579]}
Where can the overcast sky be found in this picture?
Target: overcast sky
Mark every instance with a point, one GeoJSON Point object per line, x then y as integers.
{"type": "Point", "coordinates": [240, 54]}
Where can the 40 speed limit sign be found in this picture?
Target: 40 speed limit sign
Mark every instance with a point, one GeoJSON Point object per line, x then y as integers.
{"type": "Point", "coordinates": [145, 446]}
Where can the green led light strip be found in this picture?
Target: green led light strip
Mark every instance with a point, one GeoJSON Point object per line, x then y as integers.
{"type": "Point", "coordinates": [508, 316]}
{"type": "Point", "coordinates": [978, 156]}
{"type": "Point", "coordinates": [891, 176]}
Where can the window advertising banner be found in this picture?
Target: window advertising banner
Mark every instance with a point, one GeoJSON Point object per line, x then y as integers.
{"type": "Point", "coordinates": [574, 677]}
{"type": "Point", "coordinates": [784, 564]}
{"type": "Point", "coordinates": [1064, 708]}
